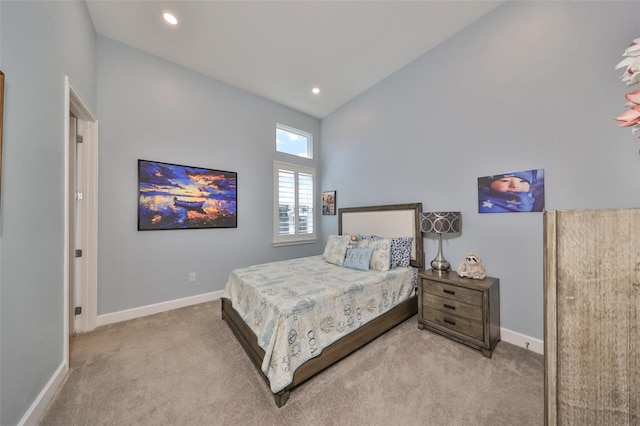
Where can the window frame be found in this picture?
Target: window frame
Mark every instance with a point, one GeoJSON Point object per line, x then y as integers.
{"type": "Point", "coordinates": [296, 238]}
{"type": "Point", "coordinates": [302, 133]}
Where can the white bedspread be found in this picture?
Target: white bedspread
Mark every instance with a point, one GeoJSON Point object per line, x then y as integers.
{"type": "Point", "coordinates": [298, 307]}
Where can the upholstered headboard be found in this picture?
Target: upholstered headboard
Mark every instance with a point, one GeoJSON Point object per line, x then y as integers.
{"type": "Point", "coordinates": [393, 220]}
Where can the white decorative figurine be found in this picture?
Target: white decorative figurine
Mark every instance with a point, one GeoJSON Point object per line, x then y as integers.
{"type": "Point", "coordinates": [471, 267]}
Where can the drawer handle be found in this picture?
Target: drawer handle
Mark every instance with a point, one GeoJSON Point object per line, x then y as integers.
{"type": "Point", "coordinates": [449, 291]}
{"type": "Point", "coordinates": [449, 307]}
{"type": "Point", "coordinates": [448, 321]}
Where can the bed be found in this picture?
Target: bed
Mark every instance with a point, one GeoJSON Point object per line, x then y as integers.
{"type": "Point", "coordinates": [251, 307]}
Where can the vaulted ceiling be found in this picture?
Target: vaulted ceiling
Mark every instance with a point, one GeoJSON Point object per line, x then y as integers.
{"type": "Point", "coordinates": [280, 50]}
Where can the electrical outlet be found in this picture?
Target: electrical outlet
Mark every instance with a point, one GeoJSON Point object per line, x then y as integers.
{"type": "Point", "coordinates": [192, 277]}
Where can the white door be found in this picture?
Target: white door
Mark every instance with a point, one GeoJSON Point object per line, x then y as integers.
{"type": "Point", "coordinates": [77, 223]}
{"type": "Point", "coordinates": [72, 223]}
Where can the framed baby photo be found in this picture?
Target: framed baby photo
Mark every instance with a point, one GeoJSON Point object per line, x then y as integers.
{"type": "Point", "coordinates": [513, 192]}
{"type": "Point", "coordinates": [329, 203]}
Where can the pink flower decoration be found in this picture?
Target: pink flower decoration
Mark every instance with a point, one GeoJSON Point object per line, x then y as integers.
{"type": "Point", "coordinates": [628, 116]}
{"type": "Point", "coordinates": [633, 97]}
{"type": "Point", "coordinates": [631, 76]}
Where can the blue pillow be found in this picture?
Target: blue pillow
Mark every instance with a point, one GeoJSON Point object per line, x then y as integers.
{"type": "Point", "coordinates": [358, 258]}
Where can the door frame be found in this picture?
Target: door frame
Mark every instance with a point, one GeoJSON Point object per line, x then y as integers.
{"type": "Point", "coordinates": [88, 209]}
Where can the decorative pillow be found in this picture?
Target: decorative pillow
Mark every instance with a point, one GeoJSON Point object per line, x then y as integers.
{"type": "Point", "coordinates": [336, 249]}
{"type": "Point", "coordinates": [401, 252]}
{"type": "Point", "coordinates": [358, 258]}
{"type": "Point", "coordinates": [400, 249]}
{"type": "Point", "coordinates": [381, 258]}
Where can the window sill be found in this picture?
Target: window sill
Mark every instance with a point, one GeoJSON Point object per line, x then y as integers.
{"type": "Point", "coordinates": [294, 242]}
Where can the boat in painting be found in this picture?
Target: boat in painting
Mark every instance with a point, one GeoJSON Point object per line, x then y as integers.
{"type": "Point", "coordinates": [193, 205]}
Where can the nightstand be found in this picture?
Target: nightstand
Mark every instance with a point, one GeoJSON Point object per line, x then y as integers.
{"type": "Point", "coordinates": [463, 309]}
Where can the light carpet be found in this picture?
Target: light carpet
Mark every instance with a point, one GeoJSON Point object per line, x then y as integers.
{"type": "Point", "coordinates": [185, 367]}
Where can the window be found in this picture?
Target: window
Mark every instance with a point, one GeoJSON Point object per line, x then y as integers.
{"type": "Point", "coordinates": [293, 141]}
{"type": "Point", "coordinates": [294, 203]}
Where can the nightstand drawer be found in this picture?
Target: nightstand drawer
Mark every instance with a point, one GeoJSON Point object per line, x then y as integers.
{"type": "Point", "coordinates": [464, 326]}
{"type": "Point", "coordinates": [465, 295]}
{"type": "Point", "coordinates": [452, 307]}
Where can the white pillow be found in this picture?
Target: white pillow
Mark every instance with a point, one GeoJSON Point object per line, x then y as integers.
{"type": "Point", "coordinates": [336, 249]}
{"type": "Point", "coordinates": [381, 258]}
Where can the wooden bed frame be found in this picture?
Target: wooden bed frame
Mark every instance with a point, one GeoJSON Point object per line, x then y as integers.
{"type": "Point", "coordinates": [379, 220]}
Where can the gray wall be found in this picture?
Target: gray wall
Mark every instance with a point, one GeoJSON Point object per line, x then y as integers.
{"type": "Point", "coordinates": [155, 110]}
{"type": "Point", "coordinates": [532, 85]}
{"type": "Point", "coordinates": [41, 42]}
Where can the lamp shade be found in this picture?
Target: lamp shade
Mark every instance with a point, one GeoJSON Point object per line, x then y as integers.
{"type": "Point", "coordinates": [441, 222]}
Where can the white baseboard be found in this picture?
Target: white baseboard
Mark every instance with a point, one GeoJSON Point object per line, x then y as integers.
{"type": "Point", "coordinates": [527, 342]}
{"type": "Point", "coordinates": [143, 311]}
{"type": "Point", "coordinates": [45, 396]}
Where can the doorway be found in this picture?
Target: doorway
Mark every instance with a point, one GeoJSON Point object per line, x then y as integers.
{"type": "Point", "coordinates": [81, 224]}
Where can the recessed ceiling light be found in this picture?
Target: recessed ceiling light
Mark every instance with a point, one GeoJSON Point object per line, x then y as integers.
{"type": "Point", "coordinates": [170, 18]}
{"type": "Point", "coordinates": [315, 91]}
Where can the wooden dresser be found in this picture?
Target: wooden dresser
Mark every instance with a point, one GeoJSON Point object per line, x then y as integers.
{"type": "Point", "coordinates": [592, 317]}
{"type": "Point", "coordinates": [463, 309]}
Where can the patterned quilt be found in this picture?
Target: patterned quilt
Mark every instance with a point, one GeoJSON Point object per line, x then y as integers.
{"type": "Point", "coordinates": [298, 307]}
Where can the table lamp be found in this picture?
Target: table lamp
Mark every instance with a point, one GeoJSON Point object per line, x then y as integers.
{"type": "Point", "coordinates": [440, 223]}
